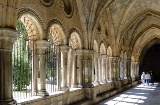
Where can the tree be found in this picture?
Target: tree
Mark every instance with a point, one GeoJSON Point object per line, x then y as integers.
{"type": "Point", "coordinates": [21, 59]}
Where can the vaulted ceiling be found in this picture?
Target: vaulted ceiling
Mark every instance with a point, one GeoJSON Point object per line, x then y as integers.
{"type": "Point", "coordinates": [127, 21]}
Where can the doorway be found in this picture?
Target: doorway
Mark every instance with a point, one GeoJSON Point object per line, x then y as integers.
{"type": "Point", "coordinates": [151, 61]}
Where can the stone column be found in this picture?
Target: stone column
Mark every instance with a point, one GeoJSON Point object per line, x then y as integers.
{"type": "Point", "coordinates": [79, 67]}
{"type": "Point", "coordinates": [69, 67]}
{"type": "Point", "coordinates": [121, 68]}
{"type": "Point", "coordinates": [110, 72]}
{"type": "Point", "coordinates": [100, 70]}
{"type": "Point", "coordinates": [41, 46]}
{"type": "Point", "coordinates": [7, 39]}
{"type": "Point", "coordinates": [129, 70]}
{"type": "Point", "coordinates": [65, 73]}
{"type": "Point", "coordinates": [125, 68]}
{"type": "Point", "coordinates": [34, 67]}
{"type": "Point", "coordinates": [74, 69]}
{"type": "Point", "coordinates": [87, 63]}
{"type": "Point", "coordinates": [96, 81]}
{"type": "Point", "coordinates": [137, 70]}
{"type": "Point", "coordinates": [58, 68]}
{"type": "Point", "coordinates": [104, 57]}
{"type": "Point", "coordinates": [132, 69]}
{"type": "Point", "coordinates": [115, 68]}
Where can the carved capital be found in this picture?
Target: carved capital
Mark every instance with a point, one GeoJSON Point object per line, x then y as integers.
{"type": "Point", "coordinates": [42, 45]}
{"type": "Point", "coordinates": [64, 48]}
{"type": "Point", "coordinates": [7, 38]}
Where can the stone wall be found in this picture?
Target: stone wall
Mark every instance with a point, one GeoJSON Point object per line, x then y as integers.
{"type": "Point", "coordinates": [85, 96]}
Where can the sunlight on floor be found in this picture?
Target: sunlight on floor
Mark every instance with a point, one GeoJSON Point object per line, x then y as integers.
{"type": "Point", "coordinates": [134, 96]}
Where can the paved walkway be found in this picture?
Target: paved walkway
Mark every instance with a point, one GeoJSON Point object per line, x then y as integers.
{"type": "Point", "coordinates": [139, 95]}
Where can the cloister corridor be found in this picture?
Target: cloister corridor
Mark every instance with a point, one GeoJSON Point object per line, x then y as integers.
{"type": "Point", "coordinates": [79, 52]}
{"type": "Point", "coordinates": [138, 95]}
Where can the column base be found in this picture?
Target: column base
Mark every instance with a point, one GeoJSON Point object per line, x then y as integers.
{"type": "Point", "coordinates": [95, 83]}
{"type": "Point", "coordinates": [43, 93]}
{"type": "Point", "coordinates": [110, 80]}
{"type": "Point", "coordinates": [88, 85]}
{"type": "Point", "coordinates": [66, 89]}
{"type": "Point", "coordinates": [8, 102]}
{"type": "Point", "coordinates": [75, 86]}
{"type": "Point", "coordinates": [129, 79]}
{"type": "Point", "coordinates": [104, 81]}
{"type": "Point", "coordinates": [79, 86]}
{"type": "Point", "coordinates": [125, 77]}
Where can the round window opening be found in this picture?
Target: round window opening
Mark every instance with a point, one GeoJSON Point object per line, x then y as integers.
{"type": "Point", "coordinates": [47, 2]}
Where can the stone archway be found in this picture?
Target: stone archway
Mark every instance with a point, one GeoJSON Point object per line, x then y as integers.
{"type": "Point", "coordinates": [150, 58]}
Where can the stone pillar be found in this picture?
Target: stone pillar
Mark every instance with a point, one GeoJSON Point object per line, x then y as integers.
{"type": "Point", "coordinates": [65, 73]}
{"type": "Point", "coordinates": [129, 70]}
{"type": "Point", "coordinates": [87, 63]}
{"type": "Point", "coordinates": [41, 46]}
{"type": "Point", "coordinates": [79, 67]}
{"type": "Point", "coordinates": [125, 68]}
{"type": "Point", "coordinates": [74, 69]}
{"type": "Point", "coordinates": [137, 70]}
{"type": "Point", "coordinates": [121, 68]}
{"type": "Point", "coordinates": [110, 72]}
{"type": "Point", "coordinates": [58, 68]}
{"type": "Point", "coordinates": [96, 80]}
{"type": "Point", "coordinates": [100, 70]}
{"type": "Point", "coordinates": [115, 68]}
{"type": "Point", "coordinates": [69, 67]}
{"type": "Point", "coordinates": [34, 67]}
{"type": "Point", "coordinates": [7, 39]}
{"type": "Point", "coordinates": [132, 69]}
{"type": "Point", "coordinates": [104, 57]}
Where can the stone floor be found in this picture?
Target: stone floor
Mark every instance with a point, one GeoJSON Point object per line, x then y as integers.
{"type": "Point", "coordinates": [139, 95]}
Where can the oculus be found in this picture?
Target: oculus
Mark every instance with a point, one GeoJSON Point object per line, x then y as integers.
{"type": "Point", "coordinates": [47, 3]}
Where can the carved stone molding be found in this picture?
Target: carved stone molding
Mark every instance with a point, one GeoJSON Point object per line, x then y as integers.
{"type": "Point", "coordinates": [47, 3]}
{"type": "Point", "coordinates": [67, 7]}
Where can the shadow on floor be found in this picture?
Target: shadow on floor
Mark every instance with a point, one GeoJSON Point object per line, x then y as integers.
{"type": "Point", "coordinates": [138, 95]}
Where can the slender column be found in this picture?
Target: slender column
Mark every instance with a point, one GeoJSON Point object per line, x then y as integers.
{"type": "Point", "coordinates": [34, 67]}
{"type": "Point", "coordinates": [79, 68]}
{"type": "Point", "coordinates": [132, 69]}
{"type": "Point", "coordinates": [69, 67]}
{"type": "Point", "coordinates": [58, 68]}
{"type": "Point", "coordinates": [74, 69]}
{"type": "Point", "coordinates": [107, 75]}
{"type": "Point", "coordinates": [104, 68]}
{"type": "Point", "coordinates": [41, 46]}
{"type": "Point", "coordinates": [121, 68]}
{"type": "Point", "coordinates": [100, 69]}
{"type": "Point", "coordinates": [125, 68]}
{"type": "Point", "coordinates": [96, 55]}
{"type": "Point", "coordinates": [6, 43]}
{"type": "Point", "coordinates": [110, 72]}
{"type": "Point", "coordinates": [137, 70]}
{"type": "Point", "coordinates": [129, 70]}
{"type": "Point", "coordinates": [65, 72]}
